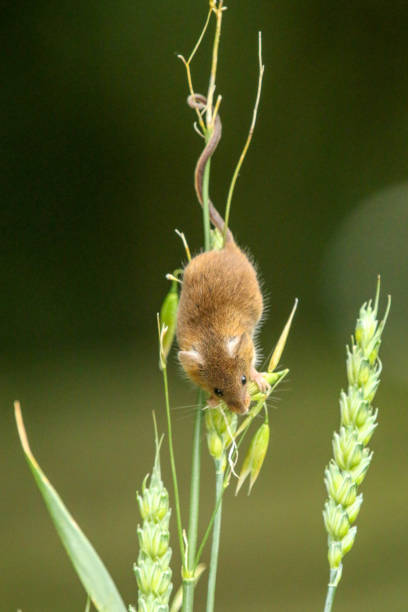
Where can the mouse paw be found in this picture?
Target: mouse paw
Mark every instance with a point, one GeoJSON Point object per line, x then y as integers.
{"type": "Point", "coordinates": [257, 377]}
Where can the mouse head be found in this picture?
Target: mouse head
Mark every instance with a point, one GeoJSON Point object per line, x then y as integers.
{"type": "Point", "coordinates": [223, 370]}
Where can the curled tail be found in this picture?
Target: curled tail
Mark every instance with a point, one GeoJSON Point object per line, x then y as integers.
{"type": "Point", "coordinates": [200, 102]}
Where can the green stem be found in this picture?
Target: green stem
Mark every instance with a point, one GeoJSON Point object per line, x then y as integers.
{"type": "Point", "coordinates": [212, 576]}
{"type": "Point", "coordinates": [248, 140]}
{"type": "Point", "coordinates": [331, 590]}
{"type": "Point", "coordinates": [209, 527]}
{"type": "Point", "coordinates": [188, 594]}
{"type": "Point", "coordinates": [189, 583]}
{"type": "Point", "coordinates": [195, 485]}
{"type": "Point", "coordinates": [173, 464]}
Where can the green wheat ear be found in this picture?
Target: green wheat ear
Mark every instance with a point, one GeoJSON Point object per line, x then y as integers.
{"type": "Point", "coordinates": [152, 571]}
{"type": "Point", "coordinates": [351, 456]}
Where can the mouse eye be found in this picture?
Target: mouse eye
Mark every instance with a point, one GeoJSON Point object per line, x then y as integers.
{"type": "Point", "coordinates": [218, 392]}
{"type": "Point", "coordinates": [243, 379]}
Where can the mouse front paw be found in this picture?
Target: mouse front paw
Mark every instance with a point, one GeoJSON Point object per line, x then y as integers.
{"type": "Point", "coordinates": [258, 378]}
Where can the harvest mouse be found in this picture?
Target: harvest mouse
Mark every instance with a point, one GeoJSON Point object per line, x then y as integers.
{"type": "Point", "coordinates": [220, 306]}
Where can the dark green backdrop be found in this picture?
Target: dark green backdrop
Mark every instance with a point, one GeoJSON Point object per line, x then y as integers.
{"type": "Point", "coordinates": [96, 166]}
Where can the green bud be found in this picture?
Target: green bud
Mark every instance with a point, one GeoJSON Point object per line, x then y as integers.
{"type": "Point", "coordinates": [353, 363]}
{"type": "Point", "coordinates": [160, 580]}
{"type": "Point", "coordinates": [359, 472]}
{"type": "Point", "coordinates": [335, 520]}
{"type": "Point", "coordinates": [259, 447]}
{"type": "Point", "coordinates": [142, 581]}
{"type": "Point", "coordinates": [363, 414]}
{"type": "Point", "coordinates": [371, 352]}
{"type": "Point", "coordinates": [335, 554]}
{"type": "Point", "coordinates": [347, 450]}
{"type": "Point", "coordinates": [165, 559]}
{"type": "Point", "coordinates": [366, 325]}
{"type": "Point", "coordinates": [367, 430]}
{"type": "Point", "coordinates": [154, 503]}
{"type": "Point", "coordinates": [369, 389]}
{"type": "Point", "coordinates": [354, 509]}
{"type": "Point", "coordinates": [219, 420]}
{"type": "Point", "coordinates": [364, 373]}
{"type": "Point", "coordinates": [221, 426]}
{"type": "Point", "coordinates": [215, 444]}
{"type": "Point", "coordinates": [333, 478]}
{"type": "Point", "coordinates": [255, 457]}
{"type": "Point", "coordinates": [168, 318]}
{"type": "Point", "coordinates": [340, 487]}
{"type": "Point", "coordinates": [359, 369]}
{"type": "Point", "coordinates": [142, 606]}
{"type": "Point", "coordinates": [208, 418]}
{"type": "Point", "coordinates": [350, 403]}
{"type": "Point", "coordinates": [346, 408]}
{"type": "Point", "coordinates": [348, 540]}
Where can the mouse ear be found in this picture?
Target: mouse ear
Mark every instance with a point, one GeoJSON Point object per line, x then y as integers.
{"type": "Point", "coordinates": [233, 345]}
{"type": "Point", "coordinates": [190, 360]}
{"type": "Point", "coordinates": [237, 343]}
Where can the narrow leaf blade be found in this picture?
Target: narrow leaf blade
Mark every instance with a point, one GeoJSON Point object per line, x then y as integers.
{"type": "Point", "coordinates": [91, 571]}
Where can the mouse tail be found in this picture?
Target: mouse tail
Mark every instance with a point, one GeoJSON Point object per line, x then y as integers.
{"type": "Point", "coordinates": [200, 102]}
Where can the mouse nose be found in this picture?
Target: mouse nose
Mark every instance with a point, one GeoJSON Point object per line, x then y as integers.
{"type": "Point", "coordinates": [239, 407]}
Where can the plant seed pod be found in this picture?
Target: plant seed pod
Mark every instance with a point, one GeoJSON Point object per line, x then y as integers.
{"type": "Point", "coordinates": [255, 457]}
{"type": "Point", "coordinates": [152, 571]}
{"type": "Point", "coordinates": [358, 420]}
{"type": "Point", "coordinates": [348, 540]}
{"type": "Point", "coordinates": [335, 554]}
{"type": "Point", "coordinates": [168, 318]}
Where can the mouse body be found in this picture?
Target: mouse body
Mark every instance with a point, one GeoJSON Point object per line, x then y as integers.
{"type": "Point", "coordinates": [220, 306]}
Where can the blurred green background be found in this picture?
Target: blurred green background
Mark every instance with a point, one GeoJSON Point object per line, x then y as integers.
{"type": "Point", "coordinates": [97, 158]}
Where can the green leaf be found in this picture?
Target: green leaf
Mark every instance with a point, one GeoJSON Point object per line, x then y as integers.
{"type": "Point", "coordinates": [91, 571]}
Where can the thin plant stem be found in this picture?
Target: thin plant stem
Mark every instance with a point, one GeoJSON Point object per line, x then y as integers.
{"type": "Point", "coordinates": [173, 465]}
{"type": "Point", "coordinates": [249, 138]}
{"type": "Point", "coordinates": [200, 38]}
{"type": "Point", "coordinates": [212, 576]}
{"type": "Point", "coordinates": [331, 591]}
{"type": "Point", "coordinates": [209, 527]}
{"type": "Point", "coordinates": [189, 585]}
{"type": "Point", "coordinates": [195, 484]}
{"type": "Point", "coordinates": [211, 88]}
{"type": "Point", "coordinates": [188, 594]}
{"type": "Point", "coordinates": [188, 62]}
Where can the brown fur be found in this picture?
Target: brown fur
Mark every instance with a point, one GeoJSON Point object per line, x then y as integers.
{"type": "Point", "coordinates": [220, 306]}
